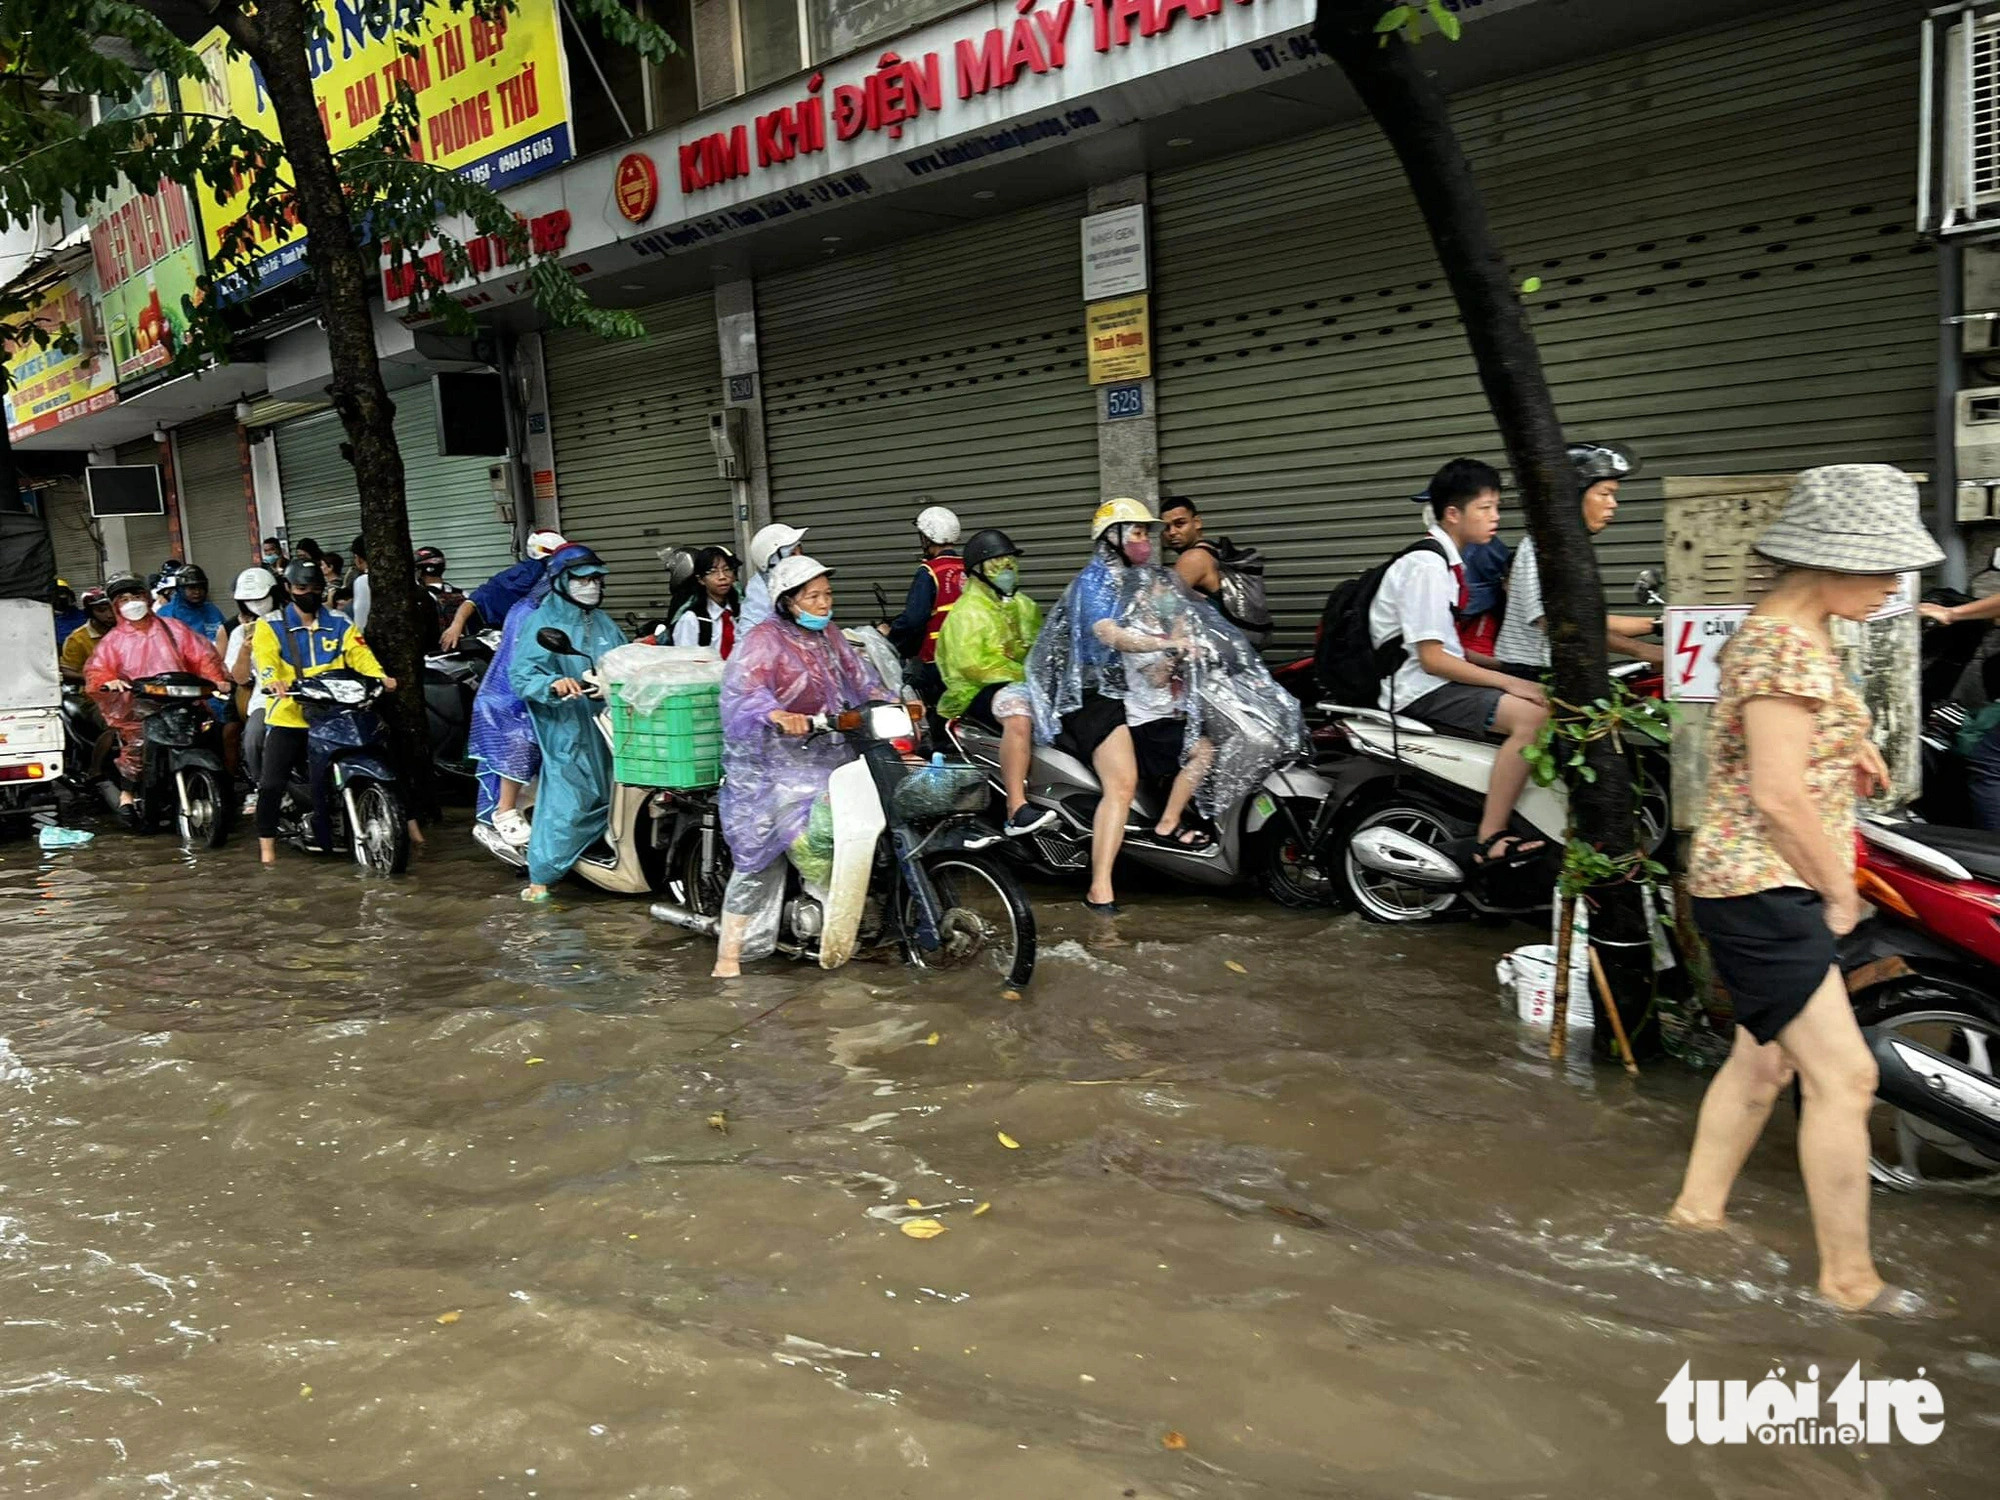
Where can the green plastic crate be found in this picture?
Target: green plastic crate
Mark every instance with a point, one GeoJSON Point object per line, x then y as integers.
{"type": "Point", "coordinates": [678, 744]}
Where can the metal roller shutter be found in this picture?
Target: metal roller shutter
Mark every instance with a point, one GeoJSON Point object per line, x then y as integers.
{"type": "Point", "coordinates": [634, 472]}
{"type": "Point", "coordinates": [317, 484]}
{"type": "Point", "coordinates": [148, 540]}
{"type": "Point", "coordinates": [950, 366]}
{"type": "Point", "coordinates": [78, 559]}
{"type": "Point", "coordinates": [1729, 283]}
{"type": "Point", "coordinates": [209, 462]}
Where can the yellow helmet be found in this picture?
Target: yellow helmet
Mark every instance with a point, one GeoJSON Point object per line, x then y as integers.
{"type": "Point", "coordinates": [1113, 512]}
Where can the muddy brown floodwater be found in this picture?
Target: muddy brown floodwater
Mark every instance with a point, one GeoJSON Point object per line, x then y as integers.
{"type": "Point", "coordinates": [318, 1184]}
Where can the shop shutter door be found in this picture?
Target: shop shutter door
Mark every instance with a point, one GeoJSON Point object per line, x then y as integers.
{"type": "Point", "coordinates": [209, 462]}
{"type": "Point", "coordinates": [634, 472]}
{"type": "Point", "coordinates": [450, 500]}
{"type": "Point", "coordinates": [77, 557]}
{"type": "Point", "coordinates": [950, 366]}
{"type": "Point", "coordinates": [148, 540]}
{"type": "Point", "coordinates": [317, 483]}
{"type": "Point", "coordinates": [1721, 225]}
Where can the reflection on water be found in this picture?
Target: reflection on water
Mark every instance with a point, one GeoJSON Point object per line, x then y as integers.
{"type": "Point", "coordinates": [321, 1184]}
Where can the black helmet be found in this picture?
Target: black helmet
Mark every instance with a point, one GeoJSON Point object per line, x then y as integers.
{"type": "Point", "coordinates": [304, 573]}
{"type": "Point", "coordinates": [191, 576]}
{"type": "Point", "coordinates": [987, 545]}
{"type": "Point", "coordinates": [1598, 461]}
{"type": "Point", "coordinates": [125, 583]}
{"type": "Point", "coordinates": [429, 560]}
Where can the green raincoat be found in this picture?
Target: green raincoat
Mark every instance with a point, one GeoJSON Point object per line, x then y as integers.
{"type": "Point", "coordinates": [985, 640]}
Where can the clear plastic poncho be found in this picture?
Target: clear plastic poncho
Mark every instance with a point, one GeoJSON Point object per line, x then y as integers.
{"type": "Point", "coordinates": [985, 640]}
{"type": "Point", "coordinates": [1197, 659]}
{"type": "Point", "coordinates": [769, 780]}
{"type": "Point", "coordinates": [501, 737]}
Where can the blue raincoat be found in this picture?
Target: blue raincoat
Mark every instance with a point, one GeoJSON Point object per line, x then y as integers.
{"type": "Point", "coordinates": [573, 800]}
{"type": "Point", "coordinates": [501, 738]}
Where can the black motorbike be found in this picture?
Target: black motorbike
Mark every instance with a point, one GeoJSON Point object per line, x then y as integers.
{"type": "Point", "coordinates": [348, 744]}
{"type": "Point", "coordinates": [451, 681]}
{"type": "Point", "coordinates": [182, 774]}
{"type": "Point", "coordinates": [89, 750]}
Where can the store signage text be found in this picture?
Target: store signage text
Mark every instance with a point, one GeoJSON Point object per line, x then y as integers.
{"type": "Point", "coordinates": [548, 234]}
{"type": "Point", "coordinates": [49, 384]}
{"type": "Point", "coordinates": [899, 90]}
{"type": "Point", "coordinates": [1118, 335]}
{"type": "Point", "coordinates": [1114, 253]}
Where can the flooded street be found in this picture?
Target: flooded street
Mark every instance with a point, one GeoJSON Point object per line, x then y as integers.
{"type": "Point", "coordinates": [316, 1184]}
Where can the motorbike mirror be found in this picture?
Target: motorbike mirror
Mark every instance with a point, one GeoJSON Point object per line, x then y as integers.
{"type": "Point", "coordinates": [549, 638]}
{"type": "Point", "coordinates": [1646, 585]}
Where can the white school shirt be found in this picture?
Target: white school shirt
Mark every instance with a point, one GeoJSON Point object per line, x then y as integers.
{"type": "Point", "coordinates": [1415, 601]}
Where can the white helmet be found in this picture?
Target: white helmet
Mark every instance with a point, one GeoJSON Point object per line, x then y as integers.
{"type": "Point", "coordinates": [542, 543]}
{"type": "Point", "coordinates": [767, 543]}
{"type": "Point", "coordinates": [255, 583]}
{"type": "Point", "coordinates": [793, 573]}
{"type": "Point", "coordinates": [936, 524]}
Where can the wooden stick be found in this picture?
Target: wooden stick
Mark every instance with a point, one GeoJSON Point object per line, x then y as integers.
{"type": "Point", "coordinates": [1559, 1012]}
{"type": "Point", "coordinates": [1611, 1009]}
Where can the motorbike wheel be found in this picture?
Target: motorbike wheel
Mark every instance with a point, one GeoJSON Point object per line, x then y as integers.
{"type": "Point", "coordinates": [702, 889]}
{"type": "Point", "coordinates": [381, 835]}
{"type": "Point", "coordinates": [1383, 898]}
{"type": "Point", "coordinates": [1962, 1022]}
{"type": "Point", "coordinates": [210, 810]}
{"type": "Point", "coordinates": [988, 922]}
{"type": "Point", "coordinates": [1289, 874]}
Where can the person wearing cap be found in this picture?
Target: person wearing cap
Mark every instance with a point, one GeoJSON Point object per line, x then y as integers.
{"type": "Point", "coordinates": [573, 792]}
{"type": "Point", "coordinates": [1771, 867]}
{"type": "Point", "coordinates": [770, 546]}
{"type": "Point", "coordinates": [98, 618]}
{"type": "Point", "coordinates": [141, 644]}
{"type": "Point", "coordinates": [69, 615]}
{"type": "Point", "coordinates": [492, 600]}
{"type": "Point", "coordinates": [256, 595]}
{"type": "Point", "coordinates": [982, 656]}
{"type": "Point", "coordinates": [191, 605]}
{"type": "Point", "coordinates": [301, 639]}
{"type": "Point", "coordinates": [449, 597]}
{"type": "Point", "coordinates": [934, 589]}
{"type": "Point", "coordinates": [774, 778]}
{"type": "Point", "coordinates": [1523, 639]}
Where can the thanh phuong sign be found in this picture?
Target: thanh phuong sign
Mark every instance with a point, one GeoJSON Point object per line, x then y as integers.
{"type": "Point", "coordinates": [493, 97]}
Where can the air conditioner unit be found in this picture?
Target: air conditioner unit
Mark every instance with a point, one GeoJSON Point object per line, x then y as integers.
{"type": "Point", "coordinates": [1977, 436]}
{"type": "Point", "coordinates": [1958, 189]}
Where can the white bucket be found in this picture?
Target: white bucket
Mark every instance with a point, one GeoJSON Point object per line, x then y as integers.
{"type": "Point", "coordinates": [1530, 973]}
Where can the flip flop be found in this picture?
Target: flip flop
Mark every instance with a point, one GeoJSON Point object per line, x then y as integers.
{"type": "Point", "coordinates": [1185, 836]}
{"type": "Point", "coordinates": [1523, 851]}
{"type": "Point", "coordinates": [1892, 1302]}
{"type": "Point", "coordinates": [1101, 908]}
{"type": "Point", "coordinates": [530, 894]}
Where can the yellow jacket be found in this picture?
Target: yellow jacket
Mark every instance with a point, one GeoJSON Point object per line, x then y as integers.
{"type": "Point", "coordinates": [76, 650]}
{"type": "Point", "coordinates": [332, 643]}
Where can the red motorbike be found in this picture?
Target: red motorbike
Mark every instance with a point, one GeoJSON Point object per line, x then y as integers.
{"type": "Point", "coordinates": [1923, 973]}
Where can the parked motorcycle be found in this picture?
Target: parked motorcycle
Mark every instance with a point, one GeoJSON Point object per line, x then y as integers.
{"type": "Point", "coordinates": [1264, 838]}
{"type": "Point", "coordinates": [182, 775]}
{"type": "Point", "coordinates": [907, 874]}
{"type": "Point", "coordinates": [451, 681]}
{"type": "Point", "coordinates": [89, 750]}
{"type": "Point", "coordinates": [1923, 973]}
{"type": "Point", "coordinates": [345, 734]}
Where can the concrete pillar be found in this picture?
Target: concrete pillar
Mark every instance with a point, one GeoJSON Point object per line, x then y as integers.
{"type": "Point", "coordinates": [743, 388]}
{"type": "Point", "coordinates": [264, 485]}
{"type": "Point", "coordinates": [1128, 447]}
{"type": "Point", "coordinates": [539, 450]}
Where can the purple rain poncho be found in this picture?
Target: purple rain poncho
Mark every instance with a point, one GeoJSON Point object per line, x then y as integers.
{"type": "Point", "coordinates": [770, 779]}
{"type": "Point", "coordinates": [501, 739]}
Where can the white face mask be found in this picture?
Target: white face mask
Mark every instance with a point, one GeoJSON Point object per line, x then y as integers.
{"type": "Point", "coordinates": [586, 591]}
{"type": "Point", "coordinates": [133, 609]}
{"type": "Point", "coordinates": [263, 606]}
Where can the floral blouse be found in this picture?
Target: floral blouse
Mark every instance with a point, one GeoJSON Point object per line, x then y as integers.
{"type": "Point", "coordinates": [1767, 658]}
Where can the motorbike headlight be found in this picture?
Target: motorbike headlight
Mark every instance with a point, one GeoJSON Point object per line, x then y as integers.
{"type": "Point", "coordinates": [890, 721]}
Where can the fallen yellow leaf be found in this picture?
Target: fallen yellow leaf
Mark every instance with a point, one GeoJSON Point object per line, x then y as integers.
{"type": "Point", "coordinates": [1173, 1441]}
{"type": "Point", "coordinates": [1009, 1142]}
{"type": "Point", "coordinates": [931, 1040]}
{"type": "Point", "coordinates": [981, 1209]}
{"type": "Point", "coordinates": [305, 1390]}
{"type": "Point", "coordinates": [1010, 994]}
{"type": "Point", "coordinates": [719, 1121]}
{"type": "Point", "coordinates": [450, 1317]}
{"type": "Point", "coordinates": [1233, 966]}
{"type": "Point", "coordinates": [922, 1229]}
{"type": "Point", "coordinates": [914, 1202]}
{"type": "Point", "coordinates": [533, 1060]}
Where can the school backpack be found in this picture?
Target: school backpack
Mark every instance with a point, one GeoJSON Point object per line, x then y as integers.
{"type": "Point", "coordinates": [1241, 595]}
{"type": "Point", "coordinates": [1350, 666]}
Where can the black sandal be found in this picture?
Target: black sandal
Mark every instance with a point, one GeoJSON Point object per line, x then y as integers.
{"type": "Point", "coordinates": [1185, 836]}
{"type": "Point", "coordinates": [1522, 853]}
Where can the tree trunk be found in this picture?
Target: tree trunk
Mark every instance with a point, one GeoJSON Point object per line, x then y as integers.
{"type": "Point", "coordinates": [1413, 113]}
{"type": "Point", "coordinates": [402, 620]}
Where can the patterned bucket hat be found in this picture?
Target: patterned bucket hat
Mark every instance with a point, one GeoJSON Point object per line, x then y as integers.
{"type": "Point", "coordinates": [1852, 518]}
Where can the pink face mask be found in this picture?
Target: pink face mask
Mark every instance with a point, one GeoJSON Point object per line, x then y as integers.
{"type": "Point", "coordinates": [1138, 551]}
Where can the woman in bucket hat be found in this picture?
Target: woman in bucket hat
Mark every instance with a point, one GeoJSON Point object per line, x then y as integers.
{"type": "Point", "coordinates": [1772, 866]}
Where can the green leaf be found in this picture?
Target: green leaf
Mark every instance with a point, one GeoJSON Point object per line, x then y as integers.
{"type": "Point", "coordinates": [1448, 25]}
{"type": "Point", "coordinates": [1395, 20]}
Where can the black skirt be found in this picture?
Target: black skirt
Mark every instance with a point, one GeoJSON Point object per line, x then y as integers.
{"type": "Point", "coordinates": [1771, 950]}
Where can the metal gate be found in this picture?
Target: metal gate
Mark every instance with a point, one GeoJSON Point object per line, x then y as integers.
{"type": "Point", "coordinates": [634, 472]}
{"type": "Point", "coordinates": [1728, 281]}
{"type": "Point", "coordinates": [951, 367]}
{"type": "Point", "coordinates": [148, 539]}
{"type": "Point", "coordinates": [208, 463]}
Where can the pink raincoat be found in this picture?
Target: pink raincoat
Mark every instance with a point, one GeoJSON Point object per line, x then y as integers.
{"type": "Point", "coordinates": [129, 652]}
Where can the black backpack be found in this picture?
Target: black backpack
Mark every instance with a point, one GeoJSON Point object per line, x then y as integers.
{"type": "Point", "coordinates": [1241, 597]}
{"type": "Point", "coordinates": [1349, 665]}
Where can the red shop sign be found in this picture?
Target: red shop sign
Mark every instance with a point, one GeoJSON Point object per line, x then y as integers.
{"type": "Point", "coordinates": [636, 186]}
